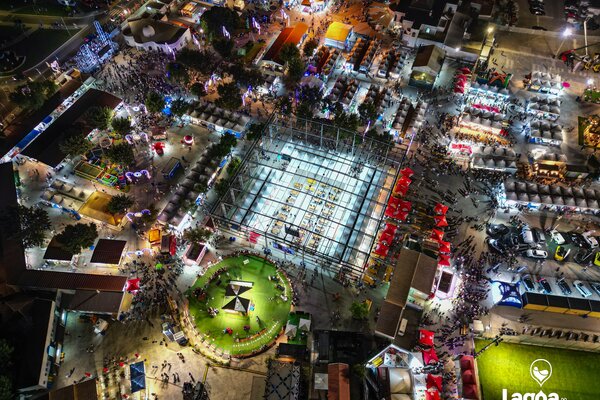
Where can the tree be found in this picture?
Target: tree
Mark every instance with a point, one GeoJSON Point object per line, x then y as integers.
{"type": "Point", "coordinates": [295, 70]}
{"type": "Point", "coordinates": [234, 164]}
{"type": "Point", "coordinates": [289, 52]}
{"type": "Point", "coordinates": [27, 224]}
{"type": "Point", "coordinates": [154, 102]}
{"type": "Point", "coordinates": [100, 117]}
{"type": "Point", "coordinates": [76, 237]}
{"type": "Point", "coordinates": [75, 145]}
{"type": "Point", "coordinates": [202, 61]}
{"type": "Point", "coordinates": [197, 235]}
{"type": "Point", "coordinates": [214, 19]}
{"type": "Point", "coordinates": [121, 126]}
{"type": "Point", "coordinates": [179, 107]}
{"type": "Point", "coordinates": [198, 89]}
{"type": "Point", "coordinates": [229, 96]}
{"type": "Point", "coordinates": [178, 72]}
{"type": "Point", "coordinates": [310, 46]}
{"type": "Point", "coordinates": [121, 153]}
{"type": "Point", "coordinates": [359, 310]}
{"type": "Point", "coordinates": [255, 131]}
{"type": "Point", "coordinates": [348, 121]}
{"type": "Point", "coordinates": [245, 76]}
{"type": "Point", "coordinates": [223, 46]}
{"type": "Point", "coordinates": [367, 111]}
{"type": "Point", "coordinates": [227, 141]}
{"type": "Point", "coordinates": [119, 204]}
{"type": "Point", "coordinates": [32, 95]}
{"type": "Point", "coordinates": [221, 187]}
{"type": "Point", "coordinates": [6, 353]}
{"type": "Point", "coordinates": [304, 110]}
{"type": "Point", "coordinates": [6, 388]}
{"type": "Point", "coordinates": [149, 219]}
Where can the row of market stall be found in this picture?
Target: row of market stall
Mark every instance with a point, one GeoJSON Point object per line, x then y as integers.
{"type": "Point", "coordinates": [218, 119]}
{"type": "Point", "coordinates": [501, 159]}
{"type": "Point", "coordinates": [544, 107]}
{"type": "Point", "coordinates": [534, 195]}
{"type": "Point", "coordinates": [545, 132]}
{"type": "Point", "coordinates": [545, 82]}
{"type": "Point", "coordinates": [344, 90]}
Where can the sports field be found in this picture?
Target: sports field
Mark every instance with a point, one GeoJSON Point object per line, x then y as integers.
{"type": "Point", "coordinates": [575, 374]}
{"type": "Point", "coordinates": [264, 296]}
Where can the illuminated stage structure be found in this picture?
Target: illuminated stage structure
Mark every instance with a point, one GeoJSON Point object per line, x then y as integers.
{"type": "Point", "coordinates": [311, 192]}
{"type": "Point", "coordinates": [94, 53]}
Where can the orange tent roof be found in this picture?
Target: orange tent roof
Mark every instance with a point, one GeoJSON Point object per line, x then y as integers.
{"type": "Point", "coordinates": [339, 382]}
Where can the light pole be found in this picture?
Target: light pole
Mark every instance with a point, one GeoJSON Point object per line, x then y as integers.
{"type": "Point", "coordinates": [566, 33]}
{"type": "Point", "coordinates": [585, 34]}
{"type": "Point", "coordinates": [488, 32]}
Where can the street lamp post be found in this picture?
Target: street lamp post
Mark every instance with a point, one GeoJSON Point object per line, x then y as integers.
{"type": "Point", "coordinates": [567, 32]}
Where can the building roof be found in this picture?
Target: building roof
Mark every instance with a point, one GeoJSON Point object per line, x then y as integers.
{"type": "Point", "coordinates": [69, 281]}
{"type": "Point", "coordinates": [338, 31]}
{"type": "Point", "coordinates": [108, 251]}
{"type": "Point", "coordinates": [149, 30]}
{"type": "Point", "coordinates": [93, 301]}
{"type": "Point", "coordinates": [389, 317]}
{"type": "Point", "coordinates": [292, 34]}
{"type": "Point", "coordinates": [46, 147]}
{"type": "Point", "coordinates": [55, 251]}
{"type": "Point", "coordinates": [86, 390]}
{"type": "Point", "coordinates": [33, 347]}
{"type": "Point", "coordinates": [338, 381]}
{"type": "Point", "coordinates": [420, 12]}
{"type": "Point", "coordinates": [283, 381]}
{"type": "Point", "coordinates": [429, 59]}
{"type": "Point", "coordinates": [12, 253]}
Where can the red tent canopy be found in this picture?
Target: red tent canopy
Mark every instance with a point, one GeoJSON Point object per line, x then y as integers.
{"type": "Point", "coordinates": [390, 229]}
{"type": "Point", "coordinates": [434, 381]}
{"type": "Point", "coordinates": [467, 376]}
{"type": "Point", "coordinates": [401, 190]}
{"type": "Point", "coordinates": [440, 209]}
{"type": "Point", "coordinates": [443, 260]}
{"type": "Point", "coordinates": [381, 250]}
{"type": "Point", "coordinates": [470, 392]}
{"type": "Point", "coordinates": [440, 221]}
{"type": "Point", "coordinates": [432, 394]}
{"type": "Point", "coordinates": [404, 181]}
{"type": "Point", "coordinates": [429, 356]}
{"type": "Point", "coordinates": [466, 362]}
{"type": "Point", "coordinates": [394, 201]}
{"type": "Point", "coordinates": [465, 70]}
{"type": "Point", "coordinates": [401, 215]}
{"type": "Point", "coordinates": [133, 285]}
{"type": "Point", "coordinates": [405, 205]}
{"type": "Point", "coordinates": [444, 247]}
{"type": "Point", "coordinates": [437, 235]}
{"type": "Point", "coordinates": [458, 90]}
{"type": "Point", "coordinates": [426, 337]}
{"type": "Point", "coordinates": [386, 237]}
{"type": "Point", "coordinates": [407, 172]}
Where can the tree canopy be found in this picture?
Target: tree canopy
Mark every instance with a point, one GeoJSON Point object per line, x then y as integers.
{"type": "Point", "coordinates": [6, 361]}
{"type": "Point", "coordinates": [202, 61]}
{"type": "Point", "coordinates": [121, 153]}
{"type": "Point", "coordinates": [255, 130]}
{"type": "Point", "coordinates": [121, 126]}
{"type": "Point", "coordinates": [100, 117]}
{"type": "Point", "coordinates": [245, 76]}
{"type": "Point", "coordinates": [75, 145]}
{"type": "Point", "coordinates": [178, 72]}
{"type": "Point", "coordinates": [154, 102]}
{"type": "Point", "coordinates": [119, 204]}
{"type": "Point", "coordinates": [367, 111]}
{"type": "Point", "coordinates": [197, 235]}
{"type": "Point", "coordinates": [215, 18]}
{"type": "Point", "coordinates": [223, 46]}
{"type": "Point", "coordinates": [229, 96]}
{"type": "Point", "coordinates": [28, 224]}
{"type": "Point", "coordinates": [32, 95]}
{"type": "Point", "coordinates": [76, 237]}
{"type": "Point", "coordinates": [288, 52]}
{"type": "Point", "coordinates": [295, 70]}
{"type": "Point", "coordinates": [197, 89]}
{"type": "Point", "coordinates": [179, 107]}
{"type": "Point", "coordinates": [359, 310]}
{"type": "Point", "coordinates": [310, 46]}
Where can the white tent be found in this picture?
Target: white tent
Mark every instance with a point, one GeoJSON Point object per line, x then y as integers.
{"type": "Point", "coordinates": [401, 396]}
{"type": "Point", "coordinates": [400, 380]}
{"type": "Point", "coordinates": [291, 329]}
{"type": "Point", "coordinates": [304, 324]}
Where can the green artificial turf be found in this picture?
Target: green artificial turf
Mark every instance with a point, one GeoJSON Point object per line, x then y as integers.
{"type": "Point", "coordinates": [271, 309]}
{"type": "Point", "coordinates": [575, 374]}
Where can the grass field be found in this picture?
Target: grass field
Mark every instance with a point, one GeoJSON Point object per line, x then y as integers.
{"type": "Point", "coordinates": [273, 311]}
{"type": "Point", "coordinates": [574, 373]}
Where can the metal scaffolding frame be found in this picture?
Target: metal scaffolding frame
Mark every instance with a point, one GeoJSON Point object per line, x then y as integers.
{"type": "Point", "coordinates": [362, 171]}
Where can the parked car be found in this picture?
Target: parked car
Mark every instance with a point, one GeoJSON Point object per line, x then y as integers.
{"type": "Point", "coordinates": [576, 238]}
{"type": "Point", "coordinates": [538, 235]}
{"type": "Point", "coordinates": [174, 333]}
{"type": "Point", "coordinates": [527, 282]}
{"type": "Point", "coordinates": [561, 253]}
{"type": "Point", "coordinates": [544, 286]}
{"type": "Point", "coordinates": [596, 287]}
{"type": "Point", "coordinates": [585, 292]}
{"type": "Point", "coordinates": [557, 237]}
{"type": "Point", "coordinates": [497, 230]}
{"type": "Point", "coordinates": [597, 259]}
{"type": "Point", "coordinates": [564, 287]}
{"type": "Point", "coordinates": [584, 257]}
{"type": "Point", "coordinates": [534, 253]}
{"type": "Point", "coordinates": [589, 241]}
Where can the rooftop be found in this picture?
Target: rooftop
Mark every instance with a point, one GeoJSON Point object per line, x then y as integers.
{"type": "Point", "coordinates": [146, 30]}
{"type": "Point", "coordinates": [292, 34]}
{"type": "Point", "coordinates": [338, 31]}
{"type": "Point", "coordinates": [108, 251]}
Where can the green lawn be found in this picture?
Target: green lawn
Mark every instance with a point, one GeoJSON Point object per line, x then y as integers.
{"type": "Point", "coordinates": [273, 311]}
{"type": "Point", "coordinates": [574, 373]}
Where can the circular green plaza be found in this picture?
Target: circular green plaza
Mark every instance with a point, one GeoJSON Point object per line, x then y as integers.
{"type": "Point", "coordinates": [240, 304]}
